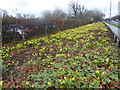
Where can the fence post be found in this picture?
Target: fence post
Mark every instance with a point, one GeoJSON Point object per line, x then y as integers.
{"type": "Point", "coordinates": [66, 26]}
{"type": "Point", "coordinates": [58, 28]}
{"type": "Point", "coordinates": [23, 34]}
{"type": "Point", "coordinates": [46, 27]}
{"type": "Point", "coordinates": [118, 44]}
{"type": "Point", "coordinates": [115, 38]}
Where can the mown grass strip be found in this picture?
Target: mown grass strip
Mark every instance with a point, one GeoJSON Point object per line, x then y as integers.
{"type": "Point", "coordinates": [117, 25]}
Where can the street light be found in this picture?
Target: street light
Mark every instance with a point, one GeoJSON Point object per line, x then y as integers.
{"type": "Point", "coordinates": [110, 8]}
{"type": "Point", "coordinates": [119, 8]}
{"type": "Point", "coordinates": [104, 12]}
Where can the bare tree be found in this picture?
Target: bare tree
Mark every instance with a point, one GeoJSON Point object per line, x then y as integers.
{"type": "Point", "coordinates": [47, 14]}
{"type": "Point", "coordinates": [32, 16]}
{"type": "Point", "coordinates": [24, 16]}
{"type": "Point", "coordinates": [97, 15]}
{"type": "Point", "coordinates": [3, 13]}
{"type": "Point", "coordinates": [94, 15]}
{"type": "Point", "coordinates": [88, 15]}
{"type": "Point", "coordinates": [74, 7]}
{"type": "Point", "coordinates": [81, 10]}
{"type": "Point", "coordinates": [59, 14]}
{"type": "Point", "coordinates": [56, 14]}
{"type": "Point", "coordinates": [18, 15]}
{"type": "Point", "coordinates": [77, 9]}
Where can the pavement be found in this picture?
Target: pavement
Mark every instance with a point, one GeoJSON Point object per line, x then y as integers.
{"type": "Point", "coordinates": [114, 29]}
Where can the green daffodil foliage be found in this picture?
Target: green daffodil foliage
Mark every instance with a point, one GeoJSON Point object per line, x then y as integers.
{"type": "Point", "coordinates": [83, 57]}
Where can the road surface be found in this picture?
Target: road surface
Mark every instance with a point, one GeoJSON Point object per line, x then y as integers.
{"type": "Point", "coordinates": [115, 22]}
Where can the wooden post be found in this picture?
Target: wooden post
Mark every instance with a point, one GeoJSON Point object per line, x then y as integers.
{"type": "Point", "coordinates": [72, 25]}
{"type": "Point", "coordinates": [118, 44]}
{"type": "Point", "coordinates": [118, 41]}
{"type": "Point", "coordinates": [23, 37]}
{"type": "Point", "coordinates": [0, 30]}
{"type": "Point", "coordinates": [115, 38]}
{"type": "Point", "coordinates": [46, 27]}
{"type": "Point", "coordinates": [111, 33]}
{"type": "Point", "coordinates": [58, 28]}
{"type": "Point", "coordinates": [23, 34]}
{"type": "Point", "coordinates": [66, 26]}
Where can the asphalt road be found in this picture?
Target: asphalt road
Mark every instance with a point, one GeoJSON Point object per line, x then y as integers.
{"type": "Point", "coordinates": [115, 22]}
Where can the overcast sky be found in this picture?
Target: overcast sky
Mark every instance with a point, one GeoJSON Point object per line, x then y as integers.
{"type": "Point", "coordinates": [36, 7]}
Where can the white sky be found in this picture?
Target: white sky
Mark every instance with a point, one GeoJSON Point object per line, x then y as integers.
{"type": "Point", "coordinates": [36, 7]}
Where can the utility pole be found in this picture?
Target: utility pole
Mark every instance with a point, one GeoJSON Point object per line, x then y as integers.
{"type": "Point", "coordinates": [110, 8]}
{"type": "Point", "coordinates": [46, 29]}
{"type": "Point", "coordinates": [105, 11]}
{"type": "Point", "coordinates": [119, 28]}
{"type": "Point", "coordinates": [119, 9]}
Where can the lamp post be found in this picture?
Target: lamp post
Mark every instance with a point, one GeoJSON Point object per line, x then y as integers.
{"type": "Point", "coordinates": [104, 12]}
{"type": "Point", "coordinates": [110, 8]}
{"type": "Point", "coordinates": [119, 9]}
{"type": "Point", "coordinates": [119, 28]}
